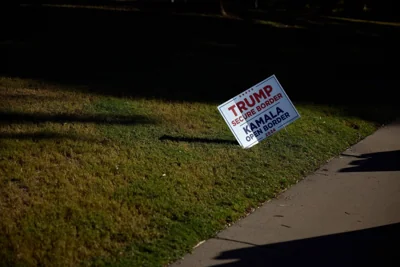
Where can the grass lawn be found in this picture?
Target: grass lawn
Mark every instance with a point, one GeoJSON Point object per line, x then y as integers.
{"type": "Point", "coordinates": [91, 179]}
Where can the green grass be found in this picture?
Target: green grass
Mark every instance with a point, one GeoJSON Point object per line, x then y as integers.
{"type": "Point", "coordinates": [86, 180]}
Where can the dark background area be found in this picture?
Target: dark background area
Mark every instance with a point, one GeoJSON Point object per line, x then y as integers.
{"type": "Point", "coordinates": [186, 52]}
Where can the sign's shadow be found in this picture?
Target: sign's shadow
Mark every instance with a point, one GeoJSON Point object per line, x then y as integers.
{"type": "Point", "coordinates": [197, 140]}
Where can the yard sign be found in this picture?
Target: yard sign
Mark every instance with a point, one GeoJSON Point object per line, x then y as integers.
{"type": "Point", "coordinates": [258, 112]}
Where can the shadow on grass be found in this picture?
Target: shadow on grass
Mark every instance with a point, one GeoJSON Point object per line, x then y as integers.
{"type": "Point", "coordinates": [186, 57]}
{"type": "Point", "coordinates": [197, 140]}
{"type": "Point", "coordinates": [43, 136]}
{"type": "Point", "coordinates": [19, 117]}
{"type": "Point", "coordinates": [30, 97]}
{"type": "Point", "coordinates": [375, 162]}
{"type": "Point", "coordinates": [372, 247]}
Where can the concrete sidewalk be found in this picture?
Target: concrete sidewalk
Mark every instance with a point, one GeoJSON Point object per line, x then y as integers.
{"type": "Point", "coordinates": [345, 214]}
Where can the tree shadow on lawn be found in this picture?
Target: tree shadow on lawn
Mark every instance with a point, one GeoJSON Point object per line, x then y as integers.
{"type": "Point", "coordinates": [372, 246]}
{"type": "Point", "coordinates": [38, 136]}
{"type": "Point", "coordinates": [203, 58]}
{"type": "Point", "coordinates": [20, 117]}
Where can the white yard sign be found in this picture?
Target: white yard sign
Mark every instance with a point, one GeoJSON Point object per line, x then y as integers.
{"type": "Point", "coordinates": [258, 112]}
